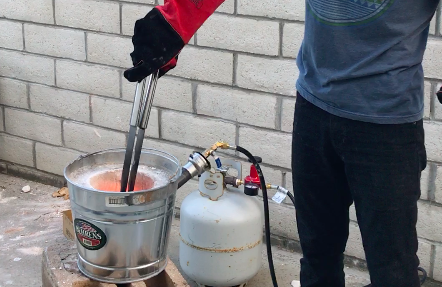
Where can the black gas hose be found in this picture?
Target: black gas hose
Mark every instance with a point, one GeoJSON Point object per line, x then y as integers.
{"type": "Point", "coordinates": [292, 198]}
{"type": "Point", "coordinates": [266, 211]}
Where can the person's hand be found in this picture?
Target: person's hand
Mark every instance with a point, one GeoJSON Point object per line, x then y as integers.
{"type": "Point", "coordinates": [160, 36]}
{"type": "Point", "coordinates": [156, 47]}
{"type": "Point", "coordinates": [140, 71]}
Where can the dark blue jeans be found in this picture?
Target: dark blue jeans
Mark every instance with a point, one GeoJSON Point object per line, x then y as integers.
{"type": "Point", "coordinates": [336, 162]}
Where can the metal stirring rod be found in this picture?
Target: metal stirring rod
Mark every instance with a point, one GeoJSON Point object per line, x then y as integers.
{"type": "Point", "coordinates": [143, 117]}
{"type": "Point", "coordinates": [132, 132]}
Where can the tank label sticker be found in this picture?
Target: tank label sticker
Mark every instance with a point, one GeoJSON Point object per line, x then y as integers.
{"type": "Point", "coordinates": [88, 235]}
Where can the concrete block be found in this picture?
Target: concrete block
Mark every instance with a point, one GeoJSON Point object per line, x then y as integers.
{"type": "Point", "coordinates": [234, 105]}
{"type": "Point", "coordinates": [27, 67]}
{"type": "Point", "coordinates": [240, 34]}
{"type": "Point", "coordinates": [174, 94]}
{"type": "Point", "coordinates": [289, 181]}
{"type": "Point", "coordinates": [116, 114]}
{"type": "Point", "coordinates": [30, 173]}
{"type": "Point", "coordinates": [433, 143]}
{"type": "Point", "coordinates": [424, 253]}
{"type": "Point", "coordinates": [88, 78]}
{"type": "Point", "coordinates": [142, 1]}
{"type": "Point", "coordinates": [130, 13]}
{"type": "Point", "coordinates": [33, 126]}
{"type": "Point", "coordinates": [433, 59]}
{"type": "Point", "coordinates": [438, 184]}
{"type": "Point", "coordinates": [54, 159]}
{"type": "Point", "coordinates": [274, 147]}
{"type": "Point", "coordinates": [13, 93]}
{"type": "Point", "coordinates": [228, 6]}
{"type": "Point", "coordinates": [34, 11]}
{"type": "Point", "coordinates": [293, 33]}
{"type": "Point", "coordinates": [65, 43]}
{"type": "Point", "coordinates": [12, 35]}
{"type": "Point", "coordinates": [110, 113]}
{"type": "Point", "coordinates": [292, 10]}
{"type": "Point", "coordinates": [2, 122]}
{"type": "Point", "coordinates": [205, 65]}
{"type": "Point", "coordinates": [433, 24]}
{"type": "Point", "coordinates": [268, 75]}
{"type": "Point", "coordinates": [109, 50]}
{"type": "Point", "coordinates": [89, 138]}
{"type": "Point", "coordinates": [425, 181]}
{"type": "Point", "coordinates": [437, 269]}
{"type": "Point", "coordinates": [60, 103]}
{"type": "Point", "coordinates": [179, 151]}
{"type": "Point", "coordinates": [429, 225]}
{"type": "Point", "coordinates": [103, 16]}
{"type": "Point", "coordinates": [16, 150]}
{"type": "Point", "coordinates": [283, 220]}
{"type": "Point", "coordinates": [288, 113]}
{"type": "Point", "coordinates": [128, 89]}
{"type": "Point", "coordinates": [195, 131]}
{"type": "Point", "coordinates": [170, 93]}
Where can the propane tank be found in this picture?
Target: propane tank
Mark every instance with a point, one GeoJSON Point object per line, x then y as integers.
{"type": "Point", "coordinates": [221, 231]}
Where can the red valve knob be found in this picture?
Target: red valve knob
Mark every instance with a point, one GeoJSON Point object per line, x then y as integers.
{"type": "Point", "coordinates": [253, 177]}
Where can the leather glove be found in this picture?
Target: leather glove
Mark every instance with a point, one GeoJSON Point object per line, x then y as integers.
{"type": "Point", "coordinates": [161, 35]}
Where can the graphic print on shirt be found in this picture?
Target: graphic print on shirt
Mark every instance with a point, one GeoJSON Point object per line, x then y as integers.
{"type": "Point", "coordinates": [348, 12]}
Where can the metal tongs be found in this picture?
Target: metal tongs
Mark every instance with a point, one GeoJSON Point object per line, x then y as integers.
{"type": "Point", "coordinates": [142, 106]}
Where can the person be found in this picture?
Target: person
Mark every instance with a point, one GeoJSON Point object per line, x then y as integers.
{"type": "Point", "coordinates": [358, 133]}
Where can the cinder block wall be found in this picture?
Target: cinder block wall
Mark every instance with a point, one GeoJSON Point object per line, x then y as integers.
{"type": "Point", "coordinates": [62, 94]}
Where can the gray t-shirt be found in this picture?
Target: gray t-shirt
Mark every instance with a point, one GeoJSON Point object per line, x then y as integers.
{"type": "Point", "coordinates": [362, 59]}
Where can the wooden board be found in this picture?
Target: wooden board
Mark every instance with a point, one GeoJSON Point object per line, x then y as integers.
{"type": "Point", "coordinates": [59, 269]}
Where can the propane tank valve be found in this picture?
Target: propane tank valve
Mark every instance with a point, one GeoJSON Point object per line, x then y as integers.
{"type": "Point", "coordinates": [196, 166]}
{"type": "Point", "coordinates": [198, 162]}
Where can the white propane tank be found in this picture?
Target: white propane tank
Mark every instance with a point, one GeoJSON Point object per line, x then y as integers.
{"type": "Point", "coordinates": [221, 232]}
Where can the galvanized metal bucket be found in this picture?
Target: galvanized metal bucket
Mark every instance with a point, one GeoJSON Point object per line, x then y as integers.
{"type": "Point", "coordinates": [122, 237]}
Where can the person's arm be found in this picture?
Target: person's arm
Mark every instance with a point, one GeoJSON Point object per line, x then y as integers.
{"type": "Point", "coordinates": [159, 36]}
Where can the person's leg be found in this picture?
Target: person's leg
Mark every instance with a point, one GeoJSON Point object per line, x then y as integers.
{"type": "Point", "coordinates": [383, 164]}
{"type": "Point", "coordinates": [322, 198]}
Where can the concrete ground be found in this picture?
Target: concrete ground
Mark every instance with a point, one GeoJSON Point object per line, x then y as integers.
{"type": "Point", "coordinates": [30, 221]}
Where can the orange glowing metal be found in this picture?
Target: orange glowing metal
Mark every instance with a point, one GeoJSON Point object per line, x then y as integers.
{"type": "Point", "coordinates": [111, 181]}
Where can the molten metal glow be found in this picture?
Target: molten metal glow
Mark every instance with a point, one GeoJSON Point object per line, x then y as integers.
{"type": "Point", "coordinates": [111, 181]}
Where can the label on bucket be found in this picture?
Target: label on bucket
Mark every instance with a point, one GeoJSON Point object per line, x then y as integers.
{"type": "Point", "coordinates": [89, 236]}
{"type": "Point", "coordinates": [116, 201]}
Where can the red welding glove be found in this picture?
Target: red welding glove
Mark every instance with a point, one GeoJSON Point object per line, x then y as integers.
{"type": "Point", "coordinates": [161, 35]}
